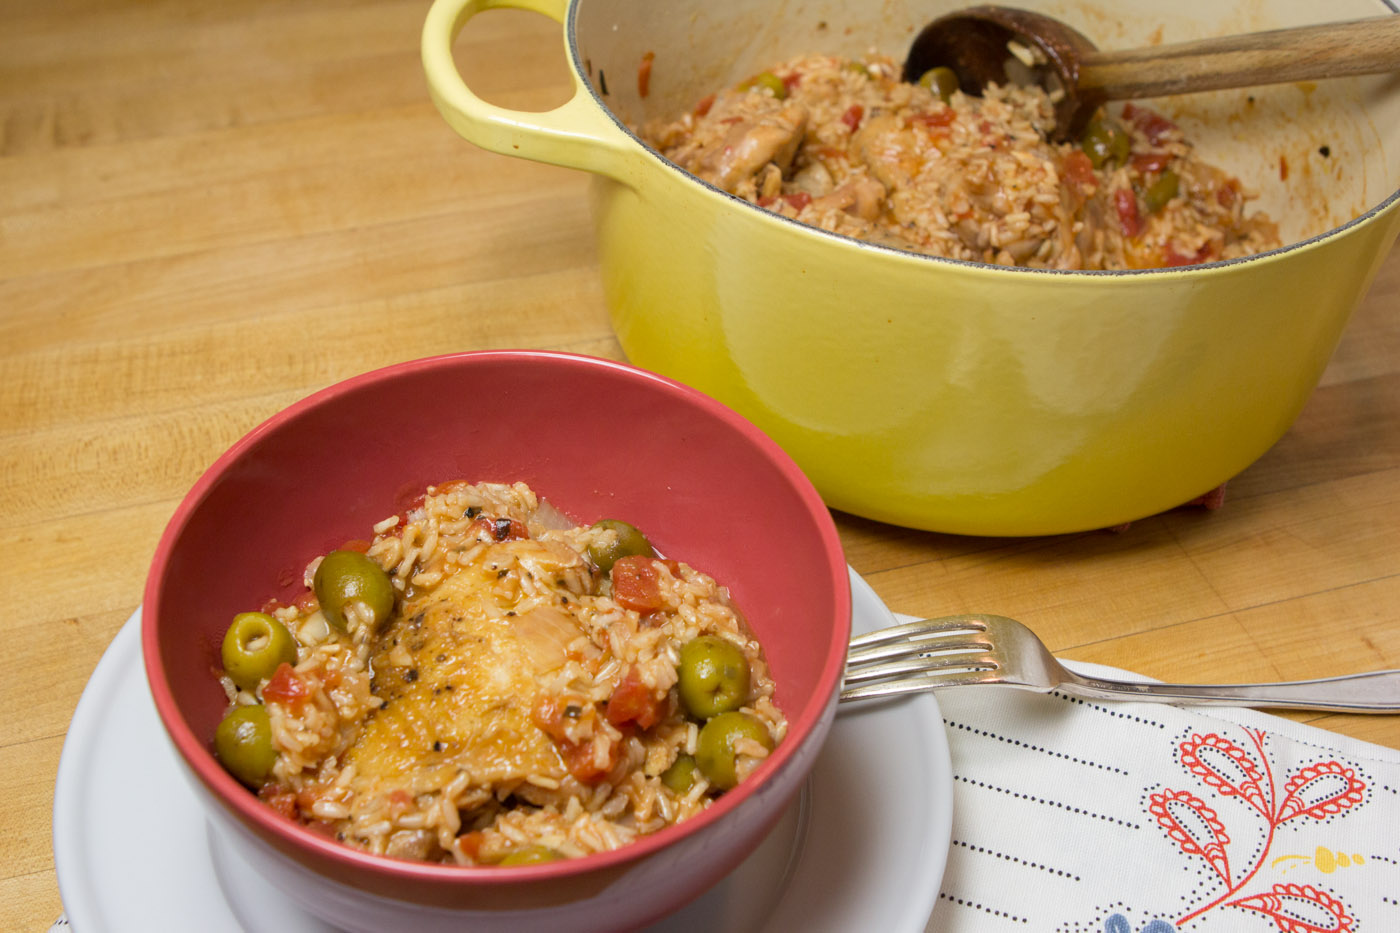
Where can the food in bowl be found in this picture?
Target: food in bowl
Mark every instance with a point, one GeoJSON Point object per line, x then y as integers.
{"type": "Point", "coordinates": [846, 145]}
{"type": "Point", "coordinates": [488, 683]}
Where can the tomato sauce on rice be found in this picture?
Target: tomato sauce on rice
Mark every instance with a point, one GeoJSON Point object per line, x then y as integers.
{"type": "Point", "coordinates": [847, 146]}
{"type": "Point", "coordinates": [518, 699]}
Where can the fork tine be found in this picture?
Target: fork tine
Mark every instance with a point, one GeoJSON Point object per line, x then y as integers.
{"type": "Point", "coordinates": [914, 657]}
{"type": "Point", "coordinates": [940, 626]}
{"type": "Point", "coordinates": [933, 644]}
{"type": "Point", "coordinates": [922, 684]}
{"type": "Point", "coordinates": [941, 664]}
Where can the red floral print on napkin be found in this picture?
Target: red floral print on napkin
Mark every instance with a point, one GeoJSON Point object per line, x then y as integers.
{"type": "Point", "coordinates": [1316, 791]}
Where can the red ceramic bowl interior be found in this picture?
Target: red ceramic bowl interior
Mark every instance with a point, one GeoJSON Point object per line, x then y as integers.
{"type": "Point", "coordinates": [597, 439]}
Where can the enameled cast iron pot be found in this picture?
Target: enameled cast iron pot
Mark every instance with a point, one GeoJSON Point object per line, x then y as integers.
{"type": "Point", "coordinates": [947, 395]}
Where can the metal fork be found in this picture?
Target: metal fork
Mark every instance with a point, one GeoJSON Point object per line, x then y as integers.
{"type": "Point", "coordinates": [984, 649]}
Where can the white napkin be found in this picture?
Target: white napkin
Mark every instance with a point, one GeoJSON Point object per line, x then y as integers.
{"type": "Point", "coordinates": [1071, 816]}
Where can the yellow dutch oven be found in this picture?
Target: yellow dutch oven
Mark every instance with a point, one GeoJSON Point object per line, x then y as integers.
{"type": "Point", "coordinates": [945, 395]}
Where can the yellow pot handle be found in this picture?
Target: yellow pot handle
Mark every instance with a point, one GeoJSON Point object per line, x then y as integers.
{"type": "Point", "coordinates": [577, 134]}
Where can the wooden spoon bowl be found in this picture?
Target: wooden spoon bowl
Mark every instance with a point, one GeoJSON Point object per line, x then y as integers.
{"type": "Point", "coordinates": [994, 44]}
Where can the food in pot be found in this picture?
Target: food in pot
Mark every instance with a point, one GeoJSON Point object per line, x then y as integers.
{"type": "Point", "coordinates": [488, 683]}
{"type": "Point", "coordinates": [847, 146]}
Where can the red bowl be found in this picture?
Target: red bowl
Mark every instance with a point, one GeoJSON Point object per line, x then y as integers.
{"type": "Point", "coordinates": [597, 439]}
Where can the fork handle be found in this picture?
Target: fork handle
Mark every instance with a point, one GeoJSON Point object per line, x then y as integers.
{"type": "Point", "coordinates": [1375, 692]}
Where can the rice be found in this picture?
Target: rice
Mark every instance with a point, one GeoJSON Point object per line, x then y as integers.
{"type": "Point", "coordinates": [482, 717]}
{"type": "Point", "coordinates": [846, 146]}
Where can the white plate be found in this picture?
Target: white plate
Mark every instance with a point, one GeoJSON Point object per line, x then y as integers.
{"type": "Point", "coordinates": [863, 848]}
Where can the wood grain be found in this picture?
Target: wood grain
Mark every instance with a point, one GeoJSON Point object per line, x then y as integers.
{"type": "Point", "coordinates": [208, 211]}
{"type": "Point", "coordinates": [1305, 53]}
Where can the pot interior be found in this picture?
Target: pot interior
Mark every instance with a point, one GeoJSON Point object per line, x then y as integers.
{"type": "Point", "coordinates": [1318, 154]}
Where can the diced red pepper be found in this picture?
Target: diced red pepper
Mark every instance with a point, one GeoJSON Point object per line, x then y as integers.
{"type": "Point", "coordinates": [1125, 202]}
{"type": "Point", "coordinates": [644, 73]}
{"type": "Point", "coordinates": [286, 687]}
{"type": "Point", "coordinates": [704, 106]}
{"type": "Point", "coordinates": [791, 81]}
{"type": "Point", "coordinates": [853, 116]}
{"type": "Point", "coordinates": [306, 603]}
{"type": "Point", "coordinates": [633, 702]}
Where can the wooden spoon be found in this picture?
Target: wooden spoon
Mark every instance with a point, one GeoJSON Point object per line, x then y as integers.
{"type": "Point", "coordinates": [974, 44]}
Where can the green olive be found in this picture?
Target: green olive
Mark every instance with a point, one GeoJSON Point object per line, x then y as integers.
{"type": "Point", "coordinates": [941, 81]}
{"type": "Point", "coordinates": [530, 855]}
{"type": "Point", "coordinates": [713, 676]}
{"type": "Point", "coordinates": [680, 777]}
{"type": "Point", "coordinates": [1161, 191]}
{"type": "Point", "coordinates": [628, 542]}
{"type": "Point", "coordinates": [349, 576]}
{"type": "Point", "coordinates": [1105, 143]}
{"type": "Point", "coordinates": [243, 743]}
{"type": "Point", "coordinates": [254, 645]}
{"type": "Point", "coordinates": [768, 80]}
{"type": "Point", "coordinates": [714, 750]}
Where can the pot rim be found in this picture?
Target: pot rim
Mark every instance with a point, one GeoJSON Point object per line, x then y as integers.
{"type": "Point", "coordinates": [576, 61]}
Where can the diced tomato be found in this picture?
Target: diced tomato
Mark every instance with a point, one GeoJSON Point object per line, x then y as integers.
{"type": "Point", "coordinates": [355, 544]}
{"type": "Point", "coordinates": [644, 73]}
{"type": "Point", "coordinates": [852, 117]}
{"type": "Point", "coordinates": [279, 798]}
{"type": "Point", "coordinates": [943, 116]}
{"type": "Point", "coordinates": [271, 606]}
{"type": "Point", "coordinates": [704, 106]}
{"type": "Point", "coordinates": [1148, 162]}
{"type": "Point", "coordinates": [791, 81]}
{"type": "Point", "coordinates": [549, 713]}
{"type": "Point", "coordinates": [633, 701]}
{"type": "Point", "coordinates": [635, 584]}
{"type": "Point", "coordinates": [500, 529]}
{"type": "Point", "coordinates": [400, 802]}
{"type": "Point", "coordinates": [767, 201]}
{"type": "Point", "coordinates": [1079, 171]}
{"type": "Point", "coordinates": [798, 199]}
{"type": "Point", "coordinates": [1173, 258]}
{"type": "Point", "coordinates": [306, 603]}
{"type": "Point", "coordinates": [1153, 125]}
{"type": "Point", "coordinates": [322, 828]}
{"type": "Point", "coordinates": [1228, 193]}
{"type": "Point", "coordinates": [286, 687]}
{"type": "Point", "coordinates": [581, 764]}
{"type": "Point", "coordinates": [1125, 202]}
{"type": "Point", "coordinates": [470, 844]}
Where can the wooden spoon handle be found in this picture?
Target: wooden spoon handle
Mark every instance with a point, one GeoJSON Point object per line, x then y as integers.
{"type": "Point", "coordinates": [1333, 50]}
